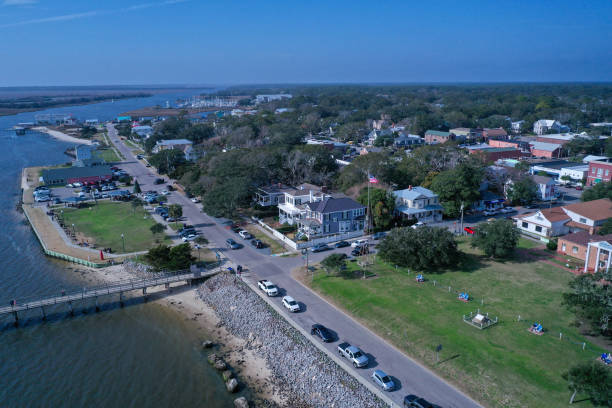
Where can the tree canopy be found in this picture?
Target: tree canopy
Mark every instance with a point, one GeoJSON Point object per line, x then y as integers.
{"type": "Point", "coordinates": [458, 186]}
{"type": "Point", "coordinates": [599, 190]}
{"type": "Point", "coordinates": [382, 204]}
{"type": "Point", "coordinates": [497, 239]}
{"type": "Point", "coordinates": [170, 258]}
{"type": "Point", "coordinates": [421, 249]}
{"type": "Point", "coordinates": [591, 379]}
{"type": "Point", "coordinates": [522, 191]}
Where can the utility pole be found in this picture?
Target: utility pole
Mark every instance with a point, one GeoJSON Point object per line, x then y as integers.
{"type": "Point", "coordinates": [123, 241]}
{"type": "Point", "coordinates": [461, 219]}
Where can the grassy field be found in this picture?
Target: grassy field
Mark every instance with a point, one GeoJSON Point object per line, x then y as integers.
{"type": "Point", "coordinates": [108, 155]}
{"type": "Point", "coordinates": [104, 223]}
{"type": "Point", "coordinates": [503, 365]}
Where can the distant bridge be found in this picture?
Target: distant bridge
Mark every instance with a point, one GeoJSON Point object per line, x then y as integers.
{"type": "Point", "coordinates": [95, 292]}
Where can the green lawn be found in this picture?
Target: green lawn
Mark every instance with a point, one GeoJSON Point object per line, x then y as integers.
{"type": "Point", "coordinates": [503, 365]}
{"type": "Point", "coordinates": [526, 243]}
{"type": "Point", "coordinates": [105, 222]}
{"type": "Point", "coordinates": [108, 155]}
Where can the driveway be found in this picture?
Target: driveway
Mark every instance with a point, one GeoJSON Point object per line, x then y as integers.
{"type": "Point", "coordinates": [412, 377]}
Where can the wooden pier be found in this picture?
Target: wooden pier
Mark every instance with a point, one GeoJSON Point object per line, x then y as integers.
{"type": "Point", "coordinates": [119, 287]}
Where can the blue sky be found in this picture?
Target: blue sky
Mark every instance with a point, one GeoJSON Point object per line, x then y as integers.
{"type": "Point", "coordinates": [60, 42]}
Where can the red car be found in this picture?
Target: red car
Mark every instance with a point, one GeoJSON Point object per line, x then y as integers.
{"type": "Point", "coordinates": [469, 230]}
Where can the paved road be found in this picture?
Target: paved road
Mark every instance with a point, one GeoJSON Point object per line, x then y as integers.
{"type": "Point", "coordinates": [411, 376]}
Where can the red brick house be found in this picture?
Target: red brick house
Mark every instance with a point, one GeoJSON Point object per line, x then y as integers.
{"type": "Point", "coordinates": [599, 171]}
{"type": "Point", "coordinates": [491, 154]}
{"type": "Point", "coordinates": [576, 244]}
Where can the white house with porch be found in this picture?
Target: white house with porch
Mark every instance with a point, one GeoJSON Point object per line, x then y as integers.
{"type": "Point", "coordinates": [419, 203]}
{"type": "Point", "coordinates": [292, 208]}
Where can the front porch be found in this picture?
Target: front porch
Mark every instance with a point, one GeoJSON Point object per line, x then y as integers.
{"type": "Point", "coordinates": [288, 214]}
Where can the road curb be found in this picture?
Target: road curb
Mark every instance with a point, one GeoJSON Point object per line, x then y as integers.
{"type": "Point", "coordinates": [341, 363]}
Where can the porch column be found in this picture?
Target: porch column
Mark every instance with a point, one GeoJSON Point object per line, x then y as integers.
{"type": "Point", "coordinates": [597, 259]}
{"type": "Point", "coordinates": [586, 262]}
{"type": "Point", "coordinates": [608, 261]}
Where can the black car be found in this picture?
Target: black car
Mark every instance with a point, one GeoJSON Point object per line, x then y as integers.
{"type": "Point", "coordinates": [186, 232]}
{"type": "Point", "coordinates": [236, 228]}
{"type": "Point", "coordinates": [413, 401]}
{"type": "Point", "coordinates": [322, 332]}
{"type": "Point", "coordinates": [257, 243]}
{"type": "Point", "coordinates": [342, 244]}
{"type": "Point", "coordinates": [360, 250]}
{"type": "Point", "coordinates": [159, 181]}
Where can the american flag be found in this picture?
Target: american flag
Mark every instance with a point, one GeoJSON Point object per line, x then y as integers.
{"type": "Point", "coordinates": [373, 179]}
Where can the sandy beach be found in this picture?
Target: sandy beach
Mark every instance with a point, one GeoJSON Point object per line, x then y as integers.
{"type": "Point", "coordinates": [61, 136]}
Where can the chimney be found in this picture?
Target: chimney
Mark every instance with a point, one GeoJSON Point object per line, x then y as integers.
{"type": "Point", "coordinates": [324, 189]}
{"type": "Point", "coordinates": [409, 188]}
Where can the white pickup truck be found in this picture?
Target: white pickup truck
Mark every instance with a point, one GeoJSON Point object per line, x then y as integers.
{"type": "Point", "coordinates": [354, 355]}
{"type": "Point", "coordinates": [268, 287]}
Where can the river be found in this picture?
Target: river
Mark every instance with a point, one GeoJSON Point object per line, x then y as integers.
{"type": "Point", "coordinates": [142, 355]}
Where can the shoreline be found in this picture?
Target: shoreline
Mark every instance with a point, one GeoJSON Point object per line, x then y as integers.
{"type": "Point", "coordinates": [251, 370]}
{"type": "Point", "coordinates": [56, 134]}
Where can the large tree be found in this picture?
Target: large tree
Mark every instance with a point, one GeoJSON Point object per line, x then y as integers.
{"type": "Point", "coordinates": [522, 191]}
{"type": "Point", "coordinates": [599, 190]}
{"type": "Point", "coordinates": [175, 211]}
{"type": "Point", "coordinates": [592, 379]}
{"type": "Point", "coordinates": [496, 239]}
{"type": "Point", "coordinates": [382, 204]}
{"type": "Point", "coordinates": [423, 248]}
{"type": "Point", "coordinates": [457, 187]}
{"type": "Point", "coordinates": [590, 296]}
{"type": "Point", "coordinates": [167, 160]}
{"type": "Point", "coordinates": [334, 263]}
{"type": "Point", "coordinates": [175, 258]}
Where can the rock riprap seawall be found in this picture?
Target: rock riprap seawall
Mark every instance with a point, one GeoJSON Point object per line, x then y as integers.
{"type": "Point", "coordinates": [304, 376]}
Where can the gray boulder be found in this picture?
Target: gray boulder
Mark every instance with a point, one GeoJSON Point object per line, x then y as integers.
{"type": "Point", "coordinates": [227, 374]}
{"type": "Point", "coordinates": [241, 403]}
{"type": "Point", "coordinates": [212, 357]}
{"type": "Point", "coordinates": [232, 385]}
{"type": "Point", "coordinates": [220, 365]}
{"type": "Point", "coordinates": [207, 344]}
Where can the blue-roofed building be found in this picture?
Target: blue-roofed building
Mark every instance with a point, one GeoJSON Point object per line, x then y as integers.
{"type": "Point", "coordinates": [418, 203]}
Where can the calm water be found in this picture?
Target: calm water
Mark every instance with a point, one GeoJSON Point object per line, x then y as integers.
{"type": "Point", "coordinates": [143, 355]}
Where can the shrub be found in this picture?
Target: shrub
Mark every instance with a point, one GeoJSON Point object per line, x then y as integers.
{"type": "Point", "coordinates": [552, 244]}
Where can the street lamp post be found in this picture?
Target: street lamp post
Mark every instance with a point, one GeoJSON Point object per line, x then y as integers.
{"type": "Point", "coordinates": [73, 231]}
{"type": "Point", "coordinates": [123, 241]}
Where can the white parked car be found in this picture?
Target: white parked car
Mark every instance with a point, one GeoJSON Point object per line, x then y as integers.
{"type": "Point", "coordinates": [69, 185]}
{"type": "Point", "coordinates": [244, 234]}
{"type": "Point", "coordinates": [189, 237]}
{"type": "Point", "coordinates": [359, 243]}
{"type": "Point", "coordinates": [165, 192]}
{"type": "Point", "coordinates": [507, 210]}
{"type": "Point", "coordinates": [489, 212]}
{"type": "Point", "coordinates": [291, 304]}
{"type": "Point", "coordinates": [195, 200]}
{"type": "Point", "coordinates": [77, 184]}
{"type": "Point", "coordinates": [418, 225]}
{"type": "Point", "coordinates": [268, 287]}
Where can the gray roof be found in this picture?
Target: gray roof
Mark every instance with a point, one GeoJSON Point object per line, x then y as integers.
{"type": "Point", "coordinates": [173, 142]}
{"type": "Point", "coordinates": [415, 192]}
{"type": "Point", "coordinates": [71, 172]}
{"type": "Point", "coordinates": [331, 204]}
{"type": "Point", "coordinates": [548, 147]}
{"type": "Point", "coordinates": [541, 179]}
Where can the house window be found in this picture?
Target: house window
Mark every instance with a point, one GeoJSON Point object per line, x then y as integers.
{"type": "Point", "coordinates": [538, 228]}
{"type": "Point", "coordinates": [583, 220]}
{"type": "Point", "coordinates": [574, 249]}
{"type": "Point", "coordinates": [607, 172]}
{"type": "Point", "coordinates": [563, 247]}
{"type": "Point", "coordinates": [525, 225]}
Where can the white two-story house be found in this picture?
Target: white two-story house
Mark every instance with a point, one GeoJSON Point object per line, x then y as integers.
{"type": "Point", "coordinates": [292, 207]}
{"type": "Point", "coordinates": [419, 203]}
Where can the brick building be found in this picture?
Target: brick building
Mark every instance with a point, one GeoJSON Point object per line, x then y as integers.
{"type": "Point", "coordinates": [599, 171]}
{"type": "Point", "coordinates": [496, 133]}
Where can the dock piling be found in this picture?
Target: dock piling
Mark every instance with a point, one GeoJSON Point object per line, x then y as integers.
{"type": "Point", "coordinates": [44, 314]}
